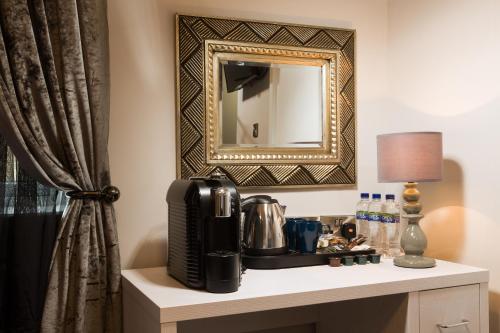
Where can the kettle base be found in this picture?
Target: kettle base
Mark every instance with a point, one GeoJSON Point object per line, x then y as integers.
{"type": "Point", "coordinates": [266, 252]}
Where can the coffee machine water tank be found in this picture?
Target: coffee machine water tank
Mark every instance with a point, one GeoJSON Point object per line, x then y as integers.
{"type": "Point", "coordinates": [204, 233]}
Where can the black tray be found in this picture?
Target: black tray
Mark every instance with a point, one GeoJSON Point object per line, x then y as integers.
{"type": "Point", "coordinates": [294, 259]}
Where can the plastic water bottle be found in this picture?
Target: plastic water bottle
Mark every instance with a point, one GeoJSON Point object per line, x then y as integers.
{"type": "Point", "coordinates": [391, 236]}
{"type": "Point", "coordinates": [374, 222]}
{"type": "Point", "coordinates": [362, 215]}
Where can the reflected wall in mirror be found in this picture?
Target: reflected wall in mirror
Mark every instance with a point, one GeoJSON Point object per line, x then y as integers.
{"type": "Point", "coordinates": [271, 104]}
{"type": "Point", "coordinates": [267, 104]}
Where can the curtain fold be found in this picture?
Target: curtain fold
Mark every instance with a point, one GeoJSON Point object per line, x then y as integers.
{"type": "Point", "coordinates": [54, 115]}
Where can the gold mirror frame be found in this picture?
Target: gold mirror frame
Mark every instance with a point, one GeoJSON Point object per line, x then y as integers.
{"type": "Point", "coordinates": [224, 50]}
{"type": "Point", "coordinates": [201, 41]}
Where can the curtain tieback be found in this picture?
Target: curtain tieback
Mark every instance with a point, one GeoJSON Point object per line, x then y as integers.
{"type": "Point", "coordinates": [108, 194]}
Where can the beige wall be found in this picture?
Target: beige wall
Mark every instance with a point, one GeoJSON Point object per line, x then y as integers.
{"type": "Point", "coordinates": [444, 74]}
{"type": "Point", "coordinates": [421, 65]}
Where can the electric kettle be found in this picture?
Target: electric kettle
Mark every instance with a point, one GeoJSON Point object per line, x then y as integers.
{"type": "Point", "coordinates": [263, 226]}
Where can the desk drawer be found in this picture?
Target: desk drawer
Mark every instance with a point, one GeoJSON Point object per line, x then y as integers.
{"type": "Point", "coordinates": [450, 310]}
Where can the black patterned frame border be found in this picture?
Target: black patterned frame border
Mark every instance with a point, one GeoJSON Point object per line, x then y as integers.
{"type": "Point", "coordinates": [192, 32]}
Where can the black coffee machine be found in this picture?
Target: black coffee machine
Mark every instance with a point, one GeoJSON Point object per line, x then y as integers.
{"type": "Point", "coordinates": [204, 233]}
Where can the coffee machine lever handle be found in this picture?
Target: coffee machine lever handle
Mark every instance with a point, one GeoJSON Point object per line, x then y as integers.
{"type": "Point", "coordinates": [222, 202]}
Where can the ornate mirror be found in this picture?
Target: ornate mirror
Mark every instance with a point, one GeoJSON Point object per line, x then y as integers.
{"type": "Point", "coordinates": [267, 104]}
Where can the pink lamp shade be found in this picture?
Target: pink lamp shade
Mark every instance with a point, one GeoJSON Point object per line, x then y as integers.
{"type": "Point", "coordinates": [410, 157]}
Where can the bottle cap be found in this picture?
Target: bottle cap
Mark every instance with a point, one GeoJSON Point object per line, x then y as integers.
{"type": "Point", "coordinates": [376, 196]}
{"type": "Point", "coordinates": [365, 195]}
{"type": "Point", "coordinates": [389, 197]}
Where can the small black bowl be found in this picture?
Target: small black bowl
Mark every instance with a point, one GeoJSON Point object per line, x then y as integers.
{"type": "Point", "coordinates": [374, 258]}
{"type": "Point", "coordinates": [348, 260]}
{"type": "Point", "coordinates": [361, 259]}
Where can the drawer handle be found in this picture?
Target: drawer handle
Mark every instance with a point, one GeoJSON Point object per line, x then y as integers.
{"type": "Point", "coordinates": [463, 323]}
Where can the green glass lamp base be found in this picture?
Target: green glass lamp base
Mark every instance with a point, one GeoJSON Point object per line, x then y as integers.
{"type": "Point", "coordinates": [414, 261]}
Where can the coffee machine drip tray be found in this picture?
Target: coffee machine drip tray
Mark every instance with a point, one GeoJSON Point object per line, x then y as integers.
{"type": "Point", "coordinates": [295, 259]}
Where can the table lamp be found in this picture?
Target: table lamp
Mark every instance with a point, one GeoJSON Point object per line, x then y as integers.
{"type": "Point", "coordinates": [411, 157]}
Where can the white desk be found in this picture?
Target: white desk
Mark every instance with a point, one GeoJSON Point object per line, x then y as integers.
{"type": "Point", "coordinates": [155, 302]}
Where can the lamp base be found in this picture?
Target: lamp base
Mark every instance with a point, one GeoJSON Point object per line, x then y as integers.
{"type": "Point", "coordinates": [414, 261]}
{"type": "Point", "coordinates": [413, 240]}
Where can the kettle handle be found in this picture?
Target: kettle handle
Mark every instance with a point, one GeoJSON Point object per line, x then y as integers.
{"type": "Point", "coordinates": [253, 199]}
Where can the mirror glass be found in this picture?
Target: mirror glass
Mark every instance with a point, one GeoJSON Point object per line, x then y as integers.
{"type": "Point", "coordinates": [271, 104]}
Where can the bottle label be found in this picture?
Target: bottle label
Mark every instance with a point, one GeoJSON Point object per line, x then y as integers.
{"type": "Point", "coordinates": [362, 215]}
{"type": "Point", "coordinates": [374, 216]}
{"type": "Point", "coordinates": [389, 218]}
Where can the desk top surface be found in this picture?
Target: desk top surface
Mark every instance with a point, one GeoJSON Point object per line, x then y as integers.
{"type": "Point", "coordinates": [170, 301]}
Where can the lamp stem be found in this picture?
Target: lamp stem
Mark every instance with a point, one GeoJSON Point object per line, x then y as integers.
{"type": "Point", "coordinates": [411, 195]}
{"type": "Point", "coordinates": [413, 240]}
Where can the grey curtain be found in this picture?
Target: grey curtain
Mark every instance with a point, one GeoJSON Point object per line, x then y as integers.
{"type": "Point", "coordinates": [54, 115]}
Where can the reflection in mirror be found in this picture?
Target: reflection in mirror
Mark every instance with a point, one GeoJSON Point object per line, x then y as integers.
{"type": "Point", "coordinates": [265, 104]}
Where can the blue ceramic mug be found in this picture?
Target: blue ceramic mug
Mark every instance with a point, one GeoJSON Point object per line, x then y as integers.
{"type": "Point", "coordinates": [291, 228]}
{"type": "Point", "coordinates": [308, 235]}
{"type": "Point", "coordinates": [302, 235]}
